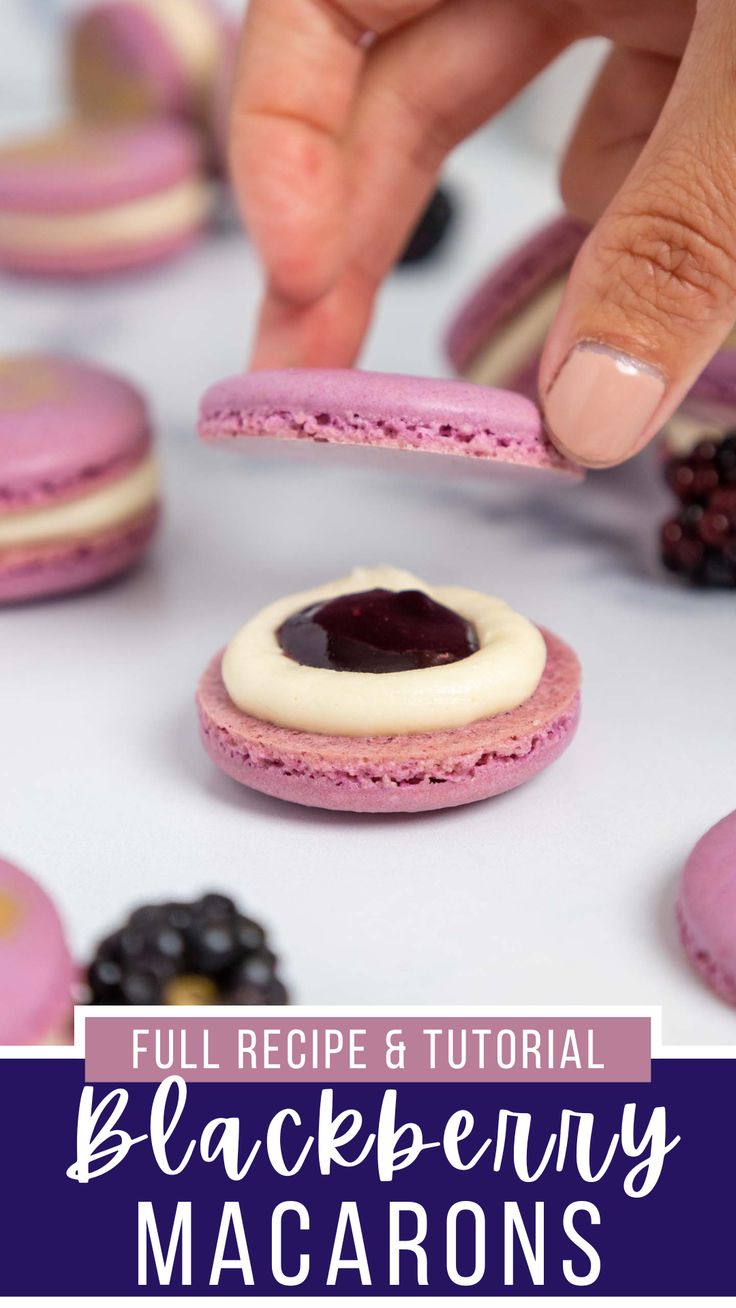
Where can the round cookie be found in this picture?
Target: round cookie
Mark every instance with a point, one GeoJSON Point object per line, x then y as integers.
{"type": "Point", "coordinates": [89, 199]}
{"type": "Point", "coordinates": [390, 770]}
{"type": "Point", "coordinates": [470, 427]}
{"type": "Point", "coordinates": [706, 908]}
{"type": "Point", "coordinates": [145, 58]}
{"type": "Point", "coordinates": [205, 952]}
{"type": "Point", "coordinates": [37, 974]}
{"type": "Point", "coordinates": [78, 484]}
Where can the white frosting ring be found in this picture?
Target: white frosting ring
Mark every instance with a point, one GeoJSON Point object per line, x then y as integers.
{"type": "Point", "coordinates": [503, 673]}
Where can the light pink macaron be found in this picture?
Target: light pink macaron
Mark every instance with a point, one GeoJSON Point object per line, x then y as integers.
{"type": "Point", "coordinates": [706, 907]}
{"type": "Point", "coordinates": [145, 58]}
{"type": "Point", "coordinates": [475, 428]}
{"type": "Point", "coordinates": [78, 485]}
{"type": "Point", "coordinates": [37, 973]}
{"type": "Point", "coordinates": [89, 199]}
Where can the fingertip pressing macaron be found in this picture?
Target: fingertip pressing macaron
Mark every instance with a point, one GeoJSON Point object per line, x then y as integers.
{"type": "Point", "coordinates": [37, 973]}
{"type": "Point", "coordinates": [145, 58]}
{"type": "Point", "coordinates": [201, 952]}
{"type": "Point", "coordinates": [78, 481]}
{"type": "Point", "coordinates": [471, 427]}
{"type": "Point", "coordinates": [378, 694]}
{"type": "Point", "coordinates": [88, 199]}
{"type": "Point", "coordinates": [706, 908]}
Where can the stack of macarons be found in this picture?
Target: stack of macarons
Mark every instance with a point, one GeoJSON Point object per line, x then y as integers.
{"type": "Point", "coordinates": [78, 481]}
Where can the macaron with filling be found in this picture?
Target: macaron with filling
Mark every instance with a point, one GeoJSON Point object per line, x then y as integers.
{"type": "Point", "coordinates": [706, 908]}
{"type": "Point", "coordinates": [145, 58]}
{"type": "Point", "coordinates": [90, 199]}
{"type": "Point", "coordinates": [37, 973]}
{"type": "Point", "coordinates": [470, 428]}
{"type": "Point", "coordinates": [78, 481]}
{"type": "Point", "coordinates": [379, 693]}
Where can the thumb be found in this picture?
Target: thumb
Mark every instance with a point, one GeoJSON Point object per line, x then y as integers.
{"type": "Point", "coordinates": [652, 294]}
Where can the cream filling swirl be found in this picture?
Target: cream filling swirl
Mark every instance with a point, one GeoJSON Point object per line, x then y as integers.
{"type": "Point", "coordinates": [113, 504]}
{"type": "Point", "coordinates": [502, 674]}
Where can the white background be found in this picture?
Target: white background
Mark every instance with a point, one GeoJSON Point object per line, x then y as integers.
{"type": "Point", "coordinates": [561, 892]}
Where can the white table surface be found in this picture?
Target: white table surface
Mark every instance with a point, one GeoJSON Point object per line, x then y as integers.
{"type": "Point", "coordinates": [560, 892]}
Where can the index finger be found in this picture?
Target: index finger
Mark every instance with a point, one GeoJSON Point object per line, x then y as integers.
{"type": "Point", "coordinates": [299, 70]}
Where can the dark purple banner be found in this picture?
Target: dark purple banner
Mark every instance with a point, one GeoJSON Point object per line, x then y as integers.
{"type": "Point", "coordinates": [284, 1188]}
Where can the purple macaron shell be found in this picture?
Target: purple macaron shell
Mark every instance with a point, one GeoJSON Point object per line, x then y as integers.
{"type": "Point", "coordinates": [96, 167]}
{"type": "Point", "coordinates": [381, 410]}
{"type": "Point", "coordinates": [137, 47]}
{"type": "Point", "coordinates": [43, 571]}
{"type": "Point", "coordinates": [37, 973]}
{"type": "Point", "coordinates": [546, 254]}
{"type": "Point", "coordinates": [396, 774]}
{"type": "Point", "coordinates": [65, 428]}
{"type": "Point", "coordinates": [706, 907]}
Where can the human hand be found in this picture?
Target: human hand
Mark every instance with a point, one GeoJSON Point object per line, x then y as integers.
{"type": "Point", "coordinates": [337, 138]}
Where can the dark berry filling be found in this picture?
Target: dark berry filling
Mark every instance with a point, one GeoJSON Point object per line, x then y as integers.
{"type": "Point", "coordinates": [377, 631]}
{"type": "Point", "coordinates": [206, 952]}
{"type": "Point", "coordinates": [431, 229]}
{"type": "Point", "coordinates": [699, 543]}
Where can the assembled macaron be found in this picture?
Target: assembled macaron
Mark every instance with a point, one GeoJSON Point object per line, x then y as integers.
{"type": "Point", "coordinates": [201, 952]}
{"type": "Point", "coordinates": [145, 58]}
{"type": "Point", "coordinates": [78, 481]}
{"type": "Point", "coordinates": [472, 428]}
{"type": "Point", "coordinates": [37, 973]}
{"type": "Point", "coordinates": [87, 200]}
{"type": "Point", "coordinates": [378, 693]}
{"type": "Point", "coordinates": [706, 908]}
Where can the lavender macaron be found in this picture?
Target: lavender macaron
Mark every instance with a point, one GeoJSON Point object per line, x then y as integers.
{"type": "Point", "coordinates": [89, 199]}
{"type": "Point", "coordinates": [145, 58]}
{"type": "Point", "coordinates": [378, 693]}
{"type": "Point", "coordinates": [706, 908]}
{"type": "Point", "coordinates": [78, 482]}
{"type": "Point", "coordinates": [473, 427]}
{"type": "Point", "coordinates": [37, 972]}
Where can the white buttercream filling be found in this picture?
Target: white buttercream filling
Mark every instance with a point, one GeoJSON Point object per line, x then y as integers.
{"type": "Point", "coordinates": [503, 673]}
{"type": "Point", "coordinates": [113, 504]}
{"type": "Point", "coordinates": [516, 341]}
{"type": "Point", "coordinates": [167, 213]}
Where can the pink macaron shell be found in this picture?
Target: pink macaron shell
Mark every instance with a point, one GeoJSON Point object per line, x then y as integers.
{"type": "Point", "coordinates": [386, 411]}
{"type": "Point", "coordinates": [545, 255]}
{"type": "Point", "coordinates": [56, 569]}
{"type": "Point", "coordinates": [396, 774]}
{"type": "Point", "coordinates": [706, 907]}
{"type": "Point", "coordinates": [66, 427]}
{"type": "Point", "coordinates": [37, 973]}
{"type": "Point", "coordinates": [97, 166]}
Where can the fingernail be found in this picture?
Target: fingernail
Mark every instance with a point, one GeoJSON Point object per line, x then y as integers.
{"type": "Point", "coordinates": [601, 403]}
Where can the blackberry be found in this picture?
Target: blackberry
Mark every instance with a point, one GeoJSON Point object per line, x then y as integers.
{"type": "Point", "coordinates": [699, 543]}
{"type": "Point", "coordinates": [205, 952]}
{"type": "Point", "coordinates": [431, 229]}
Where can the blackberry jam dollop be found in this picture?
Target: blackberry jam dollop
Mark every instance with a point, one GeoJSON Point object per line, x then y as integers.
{"type": "Point", "coordinates": [377, 631]}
